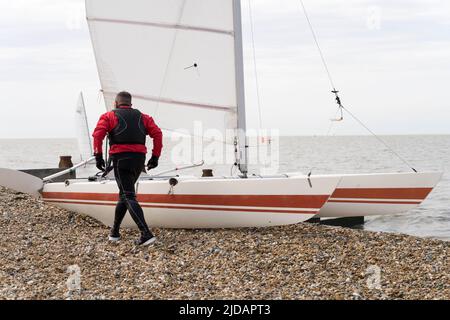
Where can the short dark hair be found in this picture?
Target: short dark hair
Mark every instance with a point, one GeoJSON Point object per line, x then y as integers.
{"type": "Point", "coordinates": [123, 99]}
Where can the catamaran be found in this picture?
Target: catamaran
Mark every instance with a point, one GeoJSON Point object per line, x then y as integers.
{"type": "Point", "coordinates": [182, 60]}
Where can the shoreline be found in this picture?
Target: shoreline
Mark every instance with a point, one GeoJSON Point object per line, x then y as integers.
{"type": "Point", "coordinates": [50, 253]}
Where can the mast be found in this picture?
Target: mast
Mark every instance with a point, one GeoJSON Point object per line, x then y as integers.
{"type": "Point", "coordinates": [242, 156]}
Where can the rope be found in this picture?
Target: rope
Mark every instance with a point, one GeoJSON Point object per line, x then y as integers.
{"type": "Point", "coordinates": [336, 92]}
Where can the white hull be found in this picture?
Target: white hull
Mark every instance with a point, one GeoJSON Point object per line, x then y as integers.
{"type": "Point", "coordinates": [204, 202]}
{"type": "Point", "coordinates": [379, 194]}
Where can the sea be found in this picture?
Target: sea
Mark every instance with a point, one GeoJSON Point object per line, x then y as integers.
{"type": "Point", "coordinates": [319, 155]}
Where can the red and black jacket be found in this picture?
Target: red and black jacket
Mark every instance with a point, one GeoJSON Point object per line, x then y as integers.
{"type": "Point", "coordinates": [127, 129]}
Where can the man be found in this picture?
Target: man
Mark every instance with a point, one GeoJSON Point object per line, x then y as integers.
{"type": "Point", "coordinates": [127, 129]}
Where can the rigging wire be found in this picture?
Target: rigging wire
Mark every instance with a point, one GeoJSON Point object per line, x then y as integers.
{"type": "Point", "coordinates": [260, 139]}
{"type": "Point", "coordinates": [379, 139]}
{"type": "Point", "coordinates": [316, 40]}
{"type": "Point", "coordinates": [336, 92]}
{"type": "Point", "coordinates": [255, 64]}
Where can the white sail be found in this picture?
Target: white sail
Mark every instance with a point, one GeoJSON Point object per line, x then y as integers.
{"type": "Point", "coordinates": [82, 128]}
{"type": "Point", "coordinates": [176, 57]}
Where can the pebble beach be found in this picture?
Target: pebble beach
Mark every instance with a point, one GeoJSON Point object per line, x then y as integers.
{"type": "Point", "coordinates": [50, 253]}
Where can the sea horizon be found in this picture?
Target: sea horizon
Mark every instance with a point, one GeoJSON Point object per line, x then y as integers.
{"type": "Point", "coordinates": [281, 135]}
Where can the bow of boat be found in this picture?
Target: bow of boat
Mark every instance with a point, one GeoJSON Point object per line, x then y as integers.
{"type": "Point", "coordinates": [379, 194]}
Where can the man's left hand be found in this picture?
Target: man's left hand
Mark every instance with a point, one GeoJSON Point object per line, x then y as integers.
{"type": "Point", "coordinates": [100, 162]}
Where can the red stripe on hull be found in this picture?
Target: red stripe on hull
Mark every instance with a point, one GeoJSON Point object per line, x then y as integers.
{"type": "Point", "coordinates": [232, 209]}
{"type": "Point", "coordinates": [282, 201]}
{"type": "Point", "coordinates": [383, 193]}
{"type": "Point", "coordinates": [373, 202]}
{"type": "Point", "coordinates": [188, 208]}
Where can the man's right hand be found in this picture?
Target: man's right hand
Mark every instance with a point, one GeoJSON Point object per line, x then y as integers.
{"type": "Point", "coordinates": [100, 162]}
{"type": "Point", "coordinates": [152, 163]}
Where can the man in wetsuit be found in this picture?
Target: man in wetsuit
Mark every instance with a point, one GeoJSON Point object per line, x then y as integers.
{"type": "Point", "coordinates": [127, 129]}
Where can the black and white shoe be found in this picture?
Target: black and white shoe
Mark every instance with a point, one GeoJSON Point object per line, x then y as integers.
{"type": "Point", "coordinates": [114, 236]}
{"type": "Point", "coordinates": [145, 241]}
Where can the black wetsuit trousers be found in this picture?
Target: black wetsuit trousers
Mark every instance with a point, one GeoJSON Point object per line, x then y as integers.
{"type": "Point", "coordinates": [127, 169]}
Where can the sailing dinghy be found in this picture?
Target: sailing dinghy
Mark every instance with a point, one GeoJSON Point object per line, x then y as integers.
{"type": "Point", "coordinates": [83, 134]}
{"type": "Point", "coordinates": [183, 62]}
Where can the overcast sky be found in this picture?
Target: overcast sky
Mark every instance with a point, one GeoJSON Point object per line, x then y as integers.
{"type": "Point", "coordinates": [390, 59]}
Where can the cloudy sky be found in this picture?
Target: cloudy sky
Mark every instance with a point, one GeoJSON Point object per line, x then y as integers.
{"type": "Point", "coordinates": [390, 59]}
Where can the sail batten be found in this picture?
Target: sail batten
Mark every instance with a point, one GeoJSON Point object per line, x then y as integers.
{"type": "Point", "coordinates": [163, 25]}
{"type": "Point", "coordinates": [184, 103]}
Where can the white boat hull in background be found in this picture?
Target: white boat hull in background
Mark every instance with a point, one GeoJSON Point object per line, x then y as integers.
{"type": "Point", "coordinates": [379, 194]}
{"type": "Point", "coordinates": [202, 202]}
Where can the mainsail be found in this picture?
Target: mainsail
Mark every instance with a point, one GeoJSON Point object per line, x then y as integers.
{"type": "Point", "coordinates": [82, 128]}
{"type": "Point", "coordinates": [178, 58]}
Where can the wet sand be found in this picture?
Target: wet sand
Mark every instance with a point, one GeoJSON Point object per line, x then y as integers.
{"type": "Point", "coordinates": [50, 253]}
